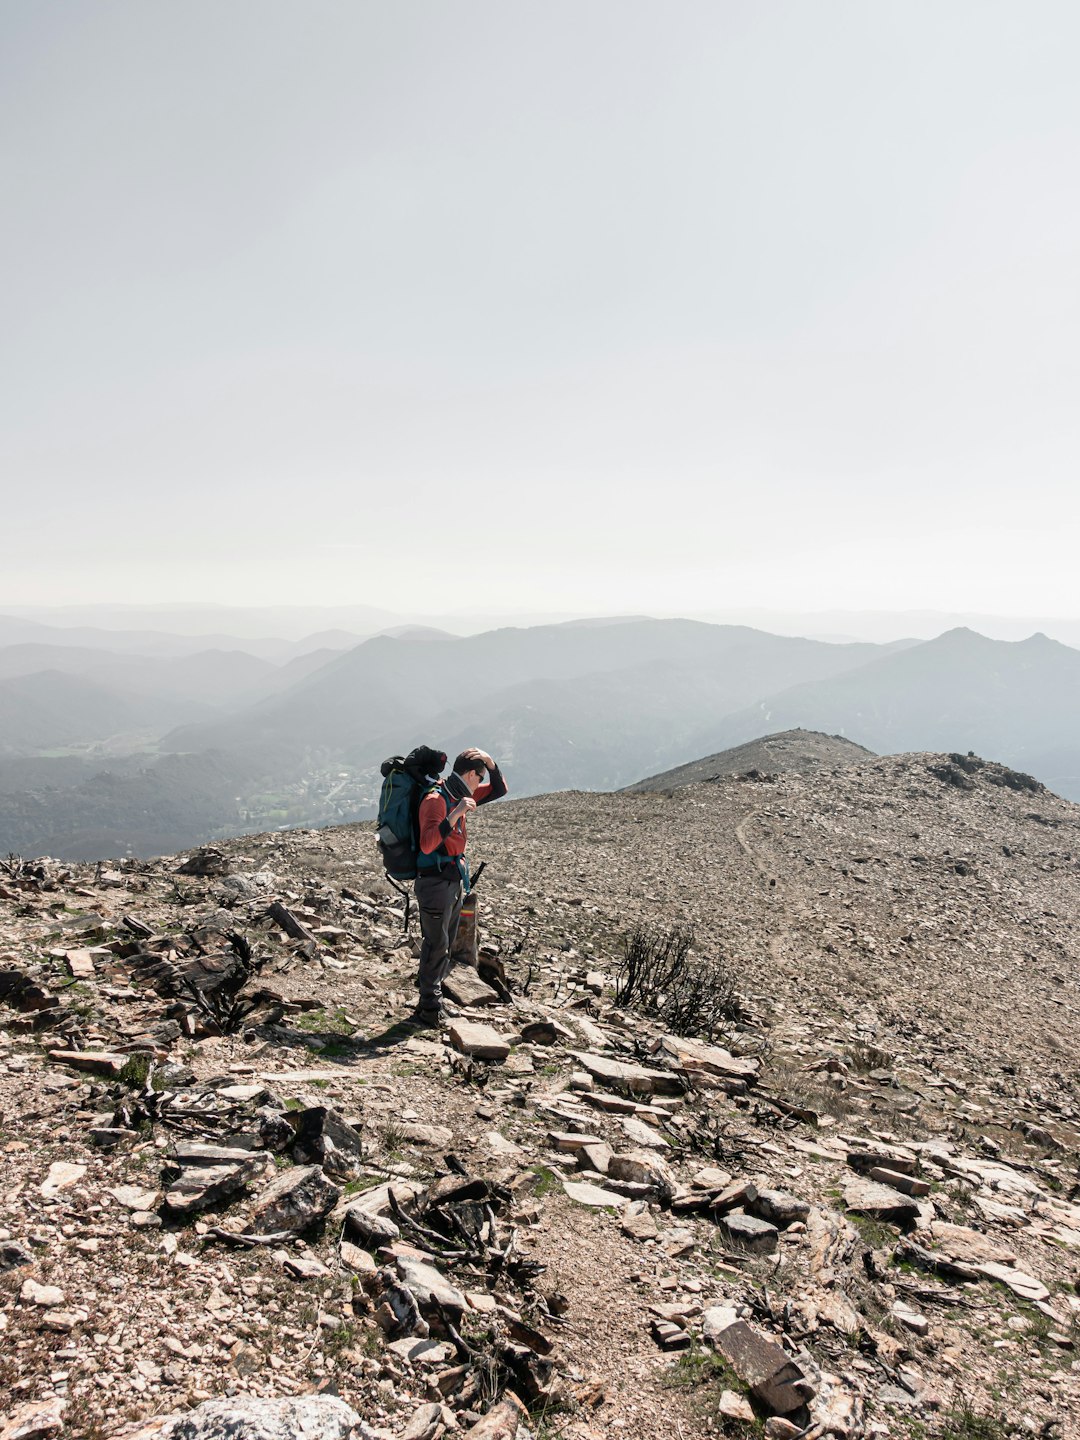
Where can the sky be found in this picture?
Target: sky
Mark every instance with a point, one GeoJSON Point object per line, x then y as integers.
{"type": "Point", "coordinates": [603, 307]}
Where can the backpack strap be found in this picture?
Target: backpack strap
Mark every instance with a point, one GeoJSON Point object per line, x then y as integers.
{"type": "Point", "coordinates": [438, 859]}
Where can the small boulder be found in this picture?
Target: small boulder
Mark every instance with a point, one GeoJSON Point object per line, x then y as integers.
{"type": "Point", "coordinates": [778, 1207]}
{"type": "Point", "coordinates": [482, 1042]}
{"type": "Point", "coordinates": [293, 1200]}
{"type": "Point", "coordinates": [747, 1234]}
{"type": "Point", "coordinates": [765, 1367]}
{"type": "Point", "coordinates": [325, 1138]}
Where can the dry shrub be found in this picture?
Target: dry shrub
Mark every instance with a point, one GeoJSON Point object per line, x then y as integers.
{"type": "Point", "coordinates": [690, 994]}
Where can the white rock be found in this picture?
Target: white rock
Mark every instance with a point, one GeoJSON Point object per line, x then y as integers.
{"type": "Point", "coordinates": [44, 1295]}
{"type": "Point", "coordinates": [60, 1176]}
{"type": "Point", "coordinates": [582, 1193]}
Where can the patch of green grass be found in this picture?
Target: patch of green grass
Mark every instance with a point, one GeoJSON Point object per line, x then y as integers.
{"type": "Point", "coordinates": [135, 1070]}
{"type": "Point", "coordinates": [360, 1184]}
{"type": "Point", "coordinates": [336, 1050]}
{"type": "Point", "coordinates": [546, 1181]}
{"type": "Point", "coordinates": [964, 1421]}
{"type": "Point", "coordinates": [291, 1103]}
{"type": "Point", "coordinates": [338, 1340]}
{"type": "Point", "coordinates": [876, 1234]}
{"type": "Point", "coordinates": [326, 1022]}
{"type": "Point", "coordinates": [698, 1366]}
{"type": "Point", "coordinates": [707, 1375]}
{"type": "Point", "coordinates": [393, 1139]}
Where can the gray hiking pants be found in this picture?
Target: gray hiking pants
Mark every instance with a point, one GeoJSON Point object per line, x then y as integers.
{"type": "Point", "coordinates": [438, 898]}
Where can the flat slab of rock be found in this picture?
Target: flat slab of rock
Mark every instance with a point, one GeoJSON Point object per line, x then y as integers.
{"type": "Point", "coordinates": [910, 1319]}
{"type": "Point", "coordinates": [61, 1174]}
{"type": "Point", "coordinates": [882, 1202]}
{"type": "Point", "coordinates": [356, 1259]}
{"type": "Point", "coordinates": [746, 1232]}
{"type": "Point", "coordinates": [34, 1420]}
{"type": "Point", "coordinates": [643, 1167]}
{"type": "Point", "coordinates": [716, 1319]}
{"type": "Point", "coordinates": [968, 1247]}
{"type": "Point", "coordinates": [135, 1197]}
{"type": "Point", "coordinates": [993, 1173]}
{"type": "Point", "coordinates": [96, 1062]}
{"type": "Point", "coordinates": [292, 1201]}
{"type": "Point", "coordinates": [315, 1417]}
{"type": "Point", "coordinates": [583, 1193]}
{"type": "Point", "coordinates": [372, 1229]}
{"type": "Point", "coordinates": [80, 963]}
{"type": "Point", "coordinates": [642, 1134]}
{"type": "Point", "coordinates": [421, 1352]}
{"type": "Point", "coordinates": [767, 1369]}
{"type": "Point", "coordinates": [482, 1042]}
{"type": "Point", "coordinates": [569, 1141]}
{"type": "Point", "coordinates": [736, 1407]}
{"type": "Point", "coordinates": [464, 987]}
{"type": "Point", "coordinates": [866, 1155]}
{"type": "Point", "coordinates": [376, 1201]}
{"type": "Point", "coordinates": [711, 1059]}
{"type": "Point", "coordinates": [198, 1153]}
{"type": "Point", "coordinates": [621, 1075]}
{"type": "Point", "coordinates": [740, 1192]}
{"type": "Point", "coordinates": [711, 1180]}
{"type": "Point", "coordinates": [46, 1296]}
{"type": "Point", "coordinates": [1026, 1286]}
{"type": "Point", "coordinates": [440, 1136]}
{"type": "Point", "coordinates": [303, 1267]}
{"type": "Point", "coordinates": [199, 1187]}
{"type": "Point", "coordinates": [908, 1184]}
{"type": "Point", "coordinates": [596, 1157]}
{"type": "Point", "coordinates": [546, 1032]}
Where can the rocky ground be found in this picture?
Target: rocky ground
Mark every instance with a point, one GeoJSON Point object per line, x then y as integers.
{"type": "Point", "coordinates": [852, 1208]}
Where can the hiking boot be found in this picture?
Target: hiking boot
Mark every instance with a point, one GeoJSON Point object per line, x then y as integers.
{"type": "Point", "coordinates": [432, 1019]}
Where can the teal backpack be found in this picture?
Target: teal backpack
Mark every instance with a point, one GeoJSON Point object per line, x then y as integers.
{"type": "Point", "coordinates": [405, 780]}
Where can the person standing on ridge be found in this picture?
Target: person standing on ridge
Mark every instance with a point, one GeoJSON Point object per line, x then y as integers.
{"type": "Point", "coordinates": [443, 872]}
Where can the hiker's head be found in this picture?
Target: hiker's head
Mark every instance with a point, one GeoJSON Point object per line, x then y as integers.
{"type": "Point", "coordinates": [471, 769]}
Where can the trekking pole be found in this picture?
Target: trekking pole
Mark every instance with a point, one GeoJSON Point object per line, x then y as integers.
{"type": "Point", "coordinates": [473, 879]}
{"type": "Point", "coordinates": [404, 892]}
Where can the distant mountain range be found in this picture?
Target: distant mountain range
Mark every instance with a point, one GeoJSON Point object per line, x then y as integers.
{"type": "Point", "coordinates": [1015, 702]}
{"type": "Point", "coordinates": [103, 751]}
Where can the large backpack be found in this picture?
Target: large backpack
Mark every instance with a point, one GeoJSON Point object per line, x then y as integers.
{"type": "Point", "coordinates": [405, 779]}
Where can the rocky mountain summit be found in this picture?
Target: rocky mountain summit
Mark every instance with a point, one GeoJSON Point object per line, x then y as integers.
{"type": "Point", "coordinates": [760, 1115]}
{"type": "Point", "coordinates": [788, 750]}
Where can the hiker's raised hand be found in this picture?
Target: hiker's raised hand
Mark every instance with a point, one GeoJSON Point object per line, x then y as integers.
{"type": "Point", "coordinates": [474, 754]}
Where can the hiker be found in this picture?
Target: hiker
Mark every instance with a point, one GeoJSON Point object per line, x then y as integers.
{"type": "Point", "coordinates": [442, 877]}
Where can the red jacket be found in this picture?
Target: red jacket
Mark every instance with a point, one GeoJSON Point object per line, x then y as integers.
{"type": "Point", "coordinates": [436, 830]}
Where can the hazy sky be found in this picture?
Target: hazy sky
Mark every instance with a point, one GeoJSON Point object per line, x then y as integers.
{"type": "Point", "coordinates": [614, 305]}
